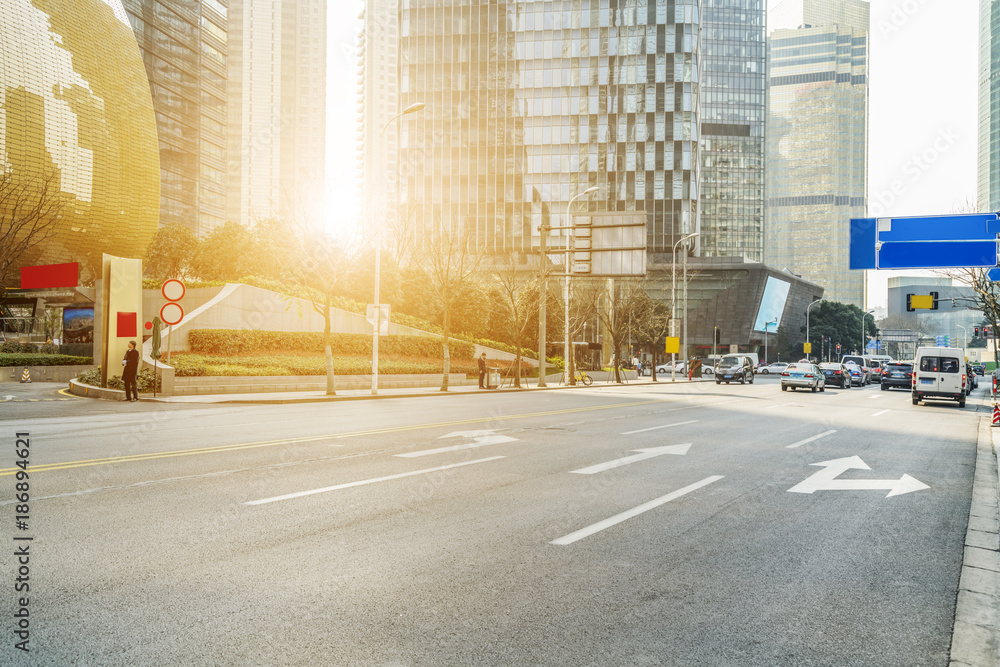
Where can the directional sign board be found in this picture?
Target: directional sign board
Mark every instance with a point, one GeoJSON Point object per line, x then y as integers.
{"type": "Point", "coordinates": [926, 242]}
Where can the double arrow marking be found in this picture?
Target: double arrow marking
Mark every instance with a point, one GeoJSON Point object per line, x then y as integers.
{"type": "Point", "coordinates": [826, 479]}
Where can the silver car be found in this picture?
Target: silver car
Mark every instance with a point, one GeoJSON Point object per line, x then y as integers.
{"type": "Point", "coordinates": [808, 376]}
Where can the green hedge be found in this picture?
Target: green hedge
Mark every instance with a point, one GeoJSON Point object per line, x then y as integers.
{"type": "Point", "coordinates": [243, 342]}
{"type": "Point", "coordinates": [43, 360]}
{"type": "Point", "coordinates": [144, 380]}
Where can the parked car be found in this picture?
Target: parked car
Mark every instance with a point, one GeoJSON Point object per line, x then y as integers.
{"type": "Point", "coordinates": [836, 374]}
{"type": "Point", "coordinates": [734, 369]}
{"type": "Point", "coordinates": [939, 374]}
{"type": "Point", "coordinates": [897, 374]}
{"type": "Point", "coordinates": [807, 376]}
{"type": "Point", "coordinates": [776, 367]}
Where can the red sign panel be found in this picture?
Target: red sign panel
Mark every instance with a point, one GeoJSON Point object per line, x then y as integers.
{"type": "Point", "coordinates": [127, 325]}
{"type": "Point", "coordinates": [50, 275]}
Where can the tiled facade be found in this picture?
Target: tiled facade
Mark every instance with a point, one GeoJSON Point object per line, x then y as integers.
{"type": "Point", "coordinates": [530, 103]}
{"type": "Point", "coordinates": [989, 106]}
{"type": "Point", "coordinates": [75, 101]}
{"type": "Point", "coordinates": [184, 46]}
{"type": "Point", "coordinates": [817, 137]}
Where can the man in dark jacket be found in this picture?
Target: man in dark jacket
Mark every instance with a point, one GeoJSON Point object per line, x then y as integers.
{"type": "Point", "coordinates": [482, 371]}
{"type": "Point", "coordinates": [131, 364]}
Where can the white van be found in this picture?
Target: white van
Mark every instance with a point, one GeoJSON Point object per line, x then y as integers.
{"type": "Point", "coordinates": [939, 373]}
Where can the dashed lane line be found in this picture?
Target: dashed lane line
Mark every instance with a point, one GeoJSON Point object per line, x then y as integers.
{"type": "Point", "coordinates": [808, 440]}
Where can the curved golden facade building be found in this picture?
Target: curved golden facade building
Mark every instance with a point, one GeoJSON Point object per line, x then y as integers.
{"type": "Point", "coordinates": [77, 129]}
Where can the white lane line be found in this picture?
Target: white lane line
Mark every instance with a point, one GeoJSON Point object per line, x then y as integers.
{"type": "Point", "coordinates": [880, 412]}
{"type": "Point", "coordinates": [625, 516]}
{"type": "Point", "coordinates": [654, 428]}
{"type": "Point", "coordinates": [808, 440]}
{"type": "Point", "coordinates": [875, 396]}
{"type": "Point", "coordinates": [779, 405]}
{"type": "Point", "coordinates": [289, 496]}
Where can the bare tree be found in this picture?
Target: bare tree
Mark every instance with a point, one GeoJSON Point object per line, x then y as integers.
{"type": "Point", "coordinates": [30, 206]}
{"type": "Point", "coordinates": [518, 298]}
{"type": "Point", "coordinates": [651, 324]}
{"type": "Point", "coordinates": [617, 304]}
{"type": "Point", "coordinates": [446, 268]}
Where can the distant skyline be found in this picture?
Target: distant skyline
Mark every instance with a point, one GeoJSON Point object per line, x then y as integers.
{"type": "Point", "coordinates": [922, 120]}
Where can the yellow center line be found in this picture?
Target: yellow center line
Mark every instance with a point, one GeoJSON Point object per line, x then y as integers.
{"type": "Point", "coordinates": [6, 472]}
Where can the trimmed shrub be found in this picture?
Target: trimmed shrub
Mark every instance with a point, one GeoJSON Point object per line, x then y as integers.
{"type": "Point", "coordinates": [144, 380]}
{"type": "Point", "coordinates": [248, 341]}
{"type": "Point", "coordinates": [36, 359]}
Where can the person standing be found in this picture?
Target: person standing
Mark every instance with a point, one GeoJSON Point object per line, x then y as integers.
{"type": "Point", "coordinates": [131, 364]}
{"type": "Point", "coordinates": [482, 371]}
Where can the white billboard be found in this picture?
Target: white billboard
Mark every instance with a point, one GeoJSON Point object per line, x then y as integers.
{"type": "Point", "coordinates": [772, 305]}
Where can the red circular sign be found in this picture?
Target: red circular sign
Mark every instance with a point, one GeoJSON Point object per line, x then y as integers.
{"type": "Point", "coordinates": [173, 290]}
{"type": "Point", "coordinates": [171, 313]}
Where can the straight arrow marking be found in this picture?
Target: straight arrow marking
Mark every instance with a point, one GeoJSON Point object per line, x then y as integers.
{"type": "Point", "coordinates": [643, 454]}
{"type": "Point", "coordinates": [289, 496]}
{"type": "Point", "coordinates": [480, 439]}
{"type": "Point", "coordinates": [625, 516]}
{"type": "Point", "coordinates": [654, 428]}
{"type": "Point", "coordinates": [808, 440]}
{"type": "Point", "coordinates": [826, 479]}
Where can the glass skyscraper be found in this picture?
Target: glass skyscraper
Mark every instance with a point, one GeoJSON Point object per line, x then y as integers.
{"type": "Point", "coordinates": [530, 103]}
{"type": "Point", "coordinates": [817, 137]}
{"type": "Point", "coordinates": [733, 118]}
{"type": "Point", "coordinates": [989, 106]}
{"type": "Point", "coordinates": [183, 46]}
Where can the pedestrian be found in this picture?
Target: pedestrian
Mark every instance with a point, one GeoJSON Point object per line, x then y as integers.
{"type": "Point", "coordinates": [131, 364]}
{"type": "Point", "coordinates": [482, 371]}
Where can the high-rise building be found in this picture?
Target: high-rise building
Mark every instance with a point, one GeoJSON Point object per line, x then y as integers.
{"type": "Point", "coordinates": [817, 138]}
{"type": "Point", "coordinates": [183, 46]}
{"type": "Point", "coordinates": [277, 110]}
{"type": "Point", "coordinates": [733, 115]}
{"type": "Point", "coordinates": [530, 103]}
{"type": "Point", "coordinates": [989, 106]}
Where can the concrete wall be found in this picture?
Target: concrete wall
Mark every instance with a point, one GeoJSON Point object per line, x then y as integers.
{"type": "Point", "coordinates": [42, 373]}
{"type": "Point", "coordinates": [187, 386]}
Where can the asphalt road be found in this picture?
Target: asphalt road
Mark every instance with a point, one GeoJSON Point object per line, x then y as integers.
{"type": "Point", "coordinates": [495, 529]}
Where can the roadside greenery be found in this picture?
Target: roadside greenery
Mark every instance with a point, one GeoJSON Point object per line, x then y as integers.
{"type": "Point", "coordinates": [144, 380]}
{"type": "Point", "coordinates": [21, 359]}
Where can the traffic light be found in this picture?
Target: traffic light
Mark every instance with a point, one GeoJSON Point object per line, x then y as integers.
{"type": "Point", "coordinates": [976, 332]}
{"type": "Point", "coordinates": [934, 302]}
{"type": "Point", "coordinates": [718, 336]}
{"type": "Point", "coordinates": [838, 348]}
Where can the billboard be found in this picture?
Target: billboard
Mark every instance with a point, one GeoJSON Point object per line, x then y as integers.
{"type": "Point", "coordinates": [772, 304]}
{"type": "Point", "coordinates": [78, 325]}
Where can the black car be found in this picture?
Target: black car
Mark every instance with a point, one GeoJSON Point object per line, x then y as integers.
{"type": "Point", "coordinates": [734, 369]}
{"type": "Point", "coordinates": [897, 374]}
{"type": "Point", "coordinates": [979, 370]}
{"type": "Point", "coordinates": [836, 374]}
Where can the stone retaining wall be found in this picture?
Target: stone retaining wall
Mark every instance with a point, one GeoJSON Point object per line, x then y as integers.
{"type": "Point", "coordinates": [191, 386]}
{"type": "Point", "coordinates": [42, 373]}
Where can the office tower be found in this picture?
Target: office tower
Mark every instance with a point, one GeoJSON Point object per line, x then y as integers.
{"type": "Point", "coordinates": [183, 46]}
{"type": "Point", "coordinates": [530, 103]}
{"type": "Point", "coordinates": [817, 139]}
{"type": "Point", "coordinates": [76, 131]}
{"type": "Point", "coordinates": [989, 106]}
{"type": "Point", "coordinates": [277, 110]}
{"type": "Point", "coordinates": [733, 118]}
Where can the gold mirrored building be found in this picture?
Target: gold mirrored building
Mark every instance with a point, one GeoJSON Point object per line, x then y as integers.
{"type": "Point", "coordinates": [76, 113]}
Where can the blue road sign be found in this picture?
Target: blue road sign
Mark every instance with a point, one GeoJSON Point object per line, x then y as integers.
{"type": "Point", "coordinates": [969, 227]}
{"type": "Point", "coordinates": [937, 255]}
{"type": "Point", "coordinates": [993, 274]}
{"type": "Point", "coordinates": [863, 238]}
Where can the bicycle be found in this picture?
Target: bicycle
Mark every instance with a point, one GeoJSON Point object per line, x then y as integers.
{"type": "Point", "coordinates": [581, 376]}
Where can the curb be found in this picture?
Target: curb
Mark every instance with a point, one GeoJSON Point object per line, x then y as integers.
{"type": "Point", "coordinates": [976, 637]}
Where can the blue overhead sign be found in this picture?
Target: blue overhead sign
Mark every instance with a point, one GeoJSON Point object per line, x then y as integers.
{"type": "Point", "coordinates": [926, 242]}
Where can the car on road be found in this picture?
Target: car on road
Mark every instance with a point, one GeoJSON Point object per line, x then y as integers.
{"type": "Point", "coordinates": [897, 374]}
{"type": "Point", "coordinates": [806, 376]}
{"type": "Point", "coordinates": [972, 381]}
{"type": "Point", "coordinates": [939, 373]}
{"type": "Point", "coordinates": [777, 367]}
{"type": "Point", "coordinates": [734, 369]}
{"type": "Point", "coordinates": [836, 374]}
{"type": "Point", "coordinates": [861, 363]}
{"type": "Point", "coordinates": [857, 375]}
{"type": "Point", "coordinates": [979, 370]}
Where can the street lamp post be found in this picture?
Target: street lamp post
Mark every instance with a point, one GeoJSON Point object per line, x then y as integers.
{"type": "Point", "coordinates": [673, 299]}
{"type": "Point", "coordinates": [767, 325]}
{"type": "Point", "coordinates": [413, 108]}
{"type": "Point", "coordinates": [568, 356]}
{"type": "Point", "coordinates": [965, 336]}
{"type": "Point", "coordinates": [870, 312]}
{"type": "Point", "coordinates": [809, 356]}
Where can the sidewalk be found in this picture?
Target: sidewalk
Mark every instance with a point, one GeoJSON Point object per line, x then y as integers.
{"type": "Point", "coordinates": [976, 636]}
{"type": "Point", "coordinates": [364, 394]}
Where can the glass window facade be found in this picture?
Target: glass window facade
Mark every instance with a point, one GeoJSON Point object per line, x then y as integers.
{"type": "Point", "coordinates": [989, 106]}
{"type": "Point", "coordinates": [185, 57]}
{"type": "Point", "coordinates": [65, 113]}
{"type": "Point", "coordinates": [817, 139]}
{"type": "Point", "coordinates": [529, 103]}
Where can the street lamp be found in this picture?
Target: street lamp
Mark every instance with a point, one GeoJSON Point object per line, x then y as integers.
{"type": "Point", "coordinates": [673, 299]}
{"type": "Point", "coordinates": [809, 356]}
{"type": "Point", "coordinates": [767, 325]}
{"type": "Point", "coordinates": [568, 357]}
{"type": "Point", "coordinates": [965, 335]}
{"type": "Point", "coordinates": [413, 108]}
{"type": "Point", "coordinates": [870, 312]}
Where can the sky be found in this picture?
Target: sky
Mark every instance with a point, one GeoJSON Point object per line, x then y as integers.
{"type": "Point", "coordinates": [923, 97]}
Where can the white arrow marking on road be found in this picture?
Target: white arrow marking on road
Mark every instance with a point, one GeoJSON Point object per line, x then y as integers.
{"type": "Point", "coordinates": [826, 479]}
{"type": "Point", "coordinates": [808, 440]}
{"type": "Point", "coordinates": [625, 516]}
{"type": "Point", "coordinates": [480, 439]}
{"type": "Point", "coordinates": [643, 454]}
{"type": "Point", "coordinates": [289, 496]}
{"type": "Point", "coordinates": [654, 428]}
